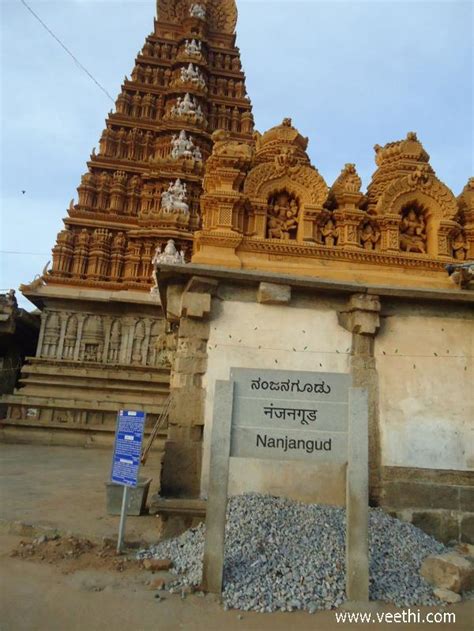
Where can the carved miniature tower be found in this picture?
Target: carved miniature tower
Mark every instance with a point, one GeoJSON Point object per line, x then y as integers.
{"type": "Point", "coordinates": [142, 187]}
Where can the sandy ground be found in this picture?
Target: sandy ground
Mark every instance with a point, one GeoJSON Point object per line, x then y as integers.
{"type": "Point", "coordinates": [66, 584]}
{"type": "Point", "coordinates": [64, 488]}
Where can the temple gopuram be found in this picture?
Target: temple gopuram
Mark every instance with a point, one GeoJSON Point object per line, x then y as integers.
{"type": "Point", "coordinates": [197, 245]}
{"type": "Point", "coordinates": [101, 329]}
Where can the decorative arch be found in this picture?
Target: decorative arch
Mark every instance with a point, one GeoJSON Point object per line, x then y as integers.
{"type": "Point", "coordinates": [422, 188]}
{"type": "Point", "coordinates": [302, 181]}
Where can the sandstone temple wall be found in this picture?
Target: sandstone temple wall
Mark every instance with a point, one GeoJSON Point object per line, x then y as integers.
{"type": "Point", "coordinates": [411, 349]}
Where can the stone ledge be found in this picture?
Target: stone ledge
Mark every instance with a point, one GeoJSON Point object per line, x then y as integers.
{"type": "Point", "coordinates": [174, 272]}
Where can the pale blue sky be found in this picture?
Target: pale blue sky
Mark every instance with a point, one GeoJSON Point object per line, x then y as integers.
{"type": "Point", "coordinates": [351, 74]}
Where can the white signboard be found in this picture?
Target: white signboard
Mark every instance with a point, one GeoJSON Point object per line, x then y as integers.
{"type": "Point", "coordinates": [282, 415]}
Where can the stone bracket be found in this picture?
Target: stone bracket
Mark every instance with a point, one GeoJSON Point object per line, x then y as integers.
{"type": "Point", "coordinates": [362, 315]}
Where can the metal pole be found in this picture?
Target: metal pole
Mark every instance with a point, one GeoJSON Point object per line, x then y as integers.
{"type": "Point", "coordinates": [123, 516]}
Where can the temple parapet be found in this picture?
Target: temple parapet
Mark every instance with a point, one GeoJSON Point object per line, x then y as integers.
{"type": "Point", "coordinates": [270, 209]}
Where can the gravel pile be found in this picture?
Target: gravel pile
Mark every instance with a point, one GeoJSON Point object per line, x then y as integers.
{"type": "Point", "coordinates": [284, 555]}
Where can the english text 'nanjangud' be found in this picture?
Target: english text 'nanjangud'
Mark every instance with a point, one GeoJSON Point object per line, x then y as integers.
{"type": "Point", "coordinates": [289, 444]}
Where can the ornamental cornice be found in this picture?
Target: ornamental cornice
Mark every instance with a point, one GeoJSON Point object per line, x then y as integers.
{"type": "Point", "coordinates": [317, 251]}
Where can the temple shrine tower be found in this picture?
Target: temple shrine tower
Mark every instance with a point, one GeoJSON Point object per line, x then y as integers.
{"type": "Point", "coordinates": [101, 328]}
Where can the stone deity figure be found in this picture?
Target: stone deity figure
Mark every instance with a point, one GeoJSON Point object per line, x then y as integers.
{"type": "Point", "coordinates": [173, 200]}
{"type": "Point", "coordinates": [193, 48]}
{"type": "Point", "coordinates": [170, 256]}
{"type": "Point", "coordinates": [283, 221]}
{"type": "Point", "coordinates": [369, 237]}
{"type": "Point", "coordinates": [183, 147]}
{"type": "Point", "coordinates": [413, 233]}
{"type": "Point", "coordinates": [330, 233]}
{"type": "Point", "coordinates": [197, 11]}
{"type": "Point", "coordinates": [459, 246]}
{"type": "Point", "coordinates": [192, 74]}
{"type": "Point", "coordinates": [187, 107]}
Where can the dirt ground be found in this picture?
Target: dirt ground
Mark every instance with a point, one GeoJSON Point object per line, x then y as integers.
{"type": "Point", "coordinates": [66, 582]}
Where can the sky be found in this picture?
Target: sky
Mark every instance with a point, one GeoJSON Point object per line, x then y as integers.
{"type": "Point", "coordinates": [350, 74]}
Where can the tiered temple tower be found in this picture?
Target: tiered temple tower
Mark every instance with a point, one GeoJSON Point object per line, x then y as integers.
{"type": "Point", "coordinates": [101, 328]}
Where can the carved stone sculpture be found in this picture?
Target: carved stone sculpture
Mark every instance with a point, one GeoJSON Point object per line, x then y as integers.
{"type": "Point", "coordinates": [460, 246]}
{"type": "Point", "coordinates": [170, 256]}
{"type": "Point", "coordinates": [174, 199]}
{"type": "Point", "coordinates": [187, 107]}
{"type": "Point", "coordinates": [191, 74]}
{"type": "Point", "coordinates": [329, 233]}
{"type": "Point", "coordinates": [413, 231]}
{"type": "Point", "coordinates": [193, 48]}
{"type": "Point", "coordinates": [369, 236]}
{"type": "Point", "coordinates": [197, 11]}
{"type": "Point", "coordinates": [183, 147]}
{"type": "Point", "coordinates": [283, 217]}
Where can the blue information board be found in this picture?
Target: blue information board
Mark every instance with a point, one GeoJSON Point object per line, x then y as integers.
{"type": "Point", "coordinates": [128, 447]}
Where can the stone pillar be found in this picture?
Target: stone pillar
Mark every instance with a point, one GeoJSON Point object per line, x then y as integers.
{"type": "Point", "coordinates": [190, 307]}
{"type": "Point", "coordinates": [362, 319]}
{"type": "Point", "coordinates": [62, 335]}
{"type": "Point", "coordinates": [107, 329]}
{"type": "Point", "coordinates": [44, 317]}
{"type": "Point", "coordinates": [77, 350]}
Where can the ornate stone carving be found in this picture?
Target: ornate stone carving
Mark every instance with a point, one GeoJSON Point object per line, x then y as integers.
{"type": "Point", "coordinates": [329, 232]}
{"type": "Point", "coordinates": [370, 235]}
{"type": "Point", "coordinates": [192, 74]}
{"type": "Point", "coordinates": [174, 199]}
{"type": "Point", "coordinates": [187, 108]}
{"type": "Point", "coordinates": [283, 216]}
{"type": "Point", "coordinates": [115, 342]}
{"type": "Point", "coordinates": [138, 342]}
{"type": "Point", "coordinates": [183, 147]}
{"type": "Point", "coordinates": [221, 14]}
{"type": "Point", "coordinates": [197, 11]}
{"type": "Point", "coordinates": [70, 337]}
{"type": "Point", "coordinates": [92, 342]}
{"type": "Point", "coordinates": [413, 229]}
{"type": "Point", "coordinates": [193, 48]}
{"type": "Point", "coordinates": [51, 335]}
{"type": "Point", "coordinates": [459, 245]}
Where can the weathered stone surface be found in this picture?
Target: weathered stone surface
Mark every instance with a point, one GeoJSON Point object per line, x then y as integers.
{"type": "Point", "coordinates": [361, 315]}
{"type": "Point", "coordinates": [447, 596]}
{"type": "Point", "coordinates": [181, 471]}
{"type": "Point", "coordinates": [442, 525]}
{"type": "Point", "coordinates": [467, 528]}
{"type": "Point", "coordinates": [191, 365]}
{"type": "Point", "coordinates": [194, 328]}
{"type": "Point", "coordinates": [421, 495]}
{"type": "Point", "coordinates": [173, 302]}
{"type": "Point", "coordinates": [188, 407]}
{"type": "Point", "coordinates": [364, 302]}
{"type": "Point", "coordinates": [466, 499]}
{"type": "Point", "coordinates": [157, 565]}
{"type": "Point", "coordinates": [195, 305]}
{"type": "Point", "coordinates": [449, 571]}
{"type": "Point", "coordinates": [202, 285]}
{"type": "Point", "coordinates": [272, 294]}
